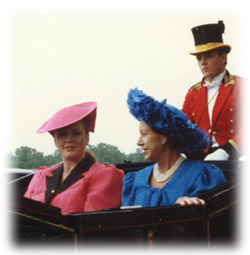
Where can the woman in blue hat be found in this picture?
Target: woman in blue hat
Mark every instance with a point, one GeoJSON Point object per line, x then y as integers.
{"type": "Point", "coordinates": [165, 134]}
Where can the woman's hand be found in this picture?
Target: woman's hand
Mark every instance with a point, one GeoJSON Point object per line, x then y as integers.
{"type": "Point", "coordinates": [184, 201]}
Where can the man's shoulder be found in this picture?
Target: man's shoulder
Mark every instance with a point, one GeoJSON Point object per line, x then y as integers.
{"type": "Point", "coordinates": [230, 79]}
{"type": "Point", "coordinates": [196, 86]}
{"type": "Point", "coordinates": [238, 78]}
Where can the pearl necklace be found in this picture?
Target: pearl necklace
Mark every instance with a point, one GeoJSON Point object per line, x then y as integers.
{"type": "Point", "coordinates": [163, 177]}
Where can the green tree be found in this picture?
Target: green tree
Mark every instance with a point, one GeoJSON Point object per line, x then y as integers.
{"type": "Point", "coordinates": [107, 154]}
{"type": "Point", "coordinates": [137, 156]}
{"type": "Point", "coordinates": [51, 160]}
{"type": "Point", "coordinates": [28, 158]}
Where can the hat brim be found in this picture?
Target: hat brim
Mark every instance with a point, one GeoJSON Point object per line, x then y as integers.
{"type": "Point", "coordinates": [70, 115]}
{"type": "Point", "coordinates": [168, 120]}
{"type": "Point", "coordinates": [210, 46]}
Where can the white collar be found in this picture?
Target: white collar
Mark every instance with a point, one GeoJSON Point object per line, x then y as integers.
{"type": "Point", "coordinates": [216, 81]}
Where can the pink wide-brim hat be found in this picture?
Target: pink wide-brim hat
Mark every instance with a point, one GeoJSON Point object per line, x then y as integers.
{"type": "Point", "coordinates": [70, 115]}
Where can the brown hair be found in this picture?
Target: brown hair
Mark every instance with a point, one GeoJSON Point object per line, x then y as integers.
{"type": "Point", "coordinates": [86, 123]}
{"type": "Point", "coordinates": [171, 142]}
{"type": "Point", "coordinates": [90, 154]}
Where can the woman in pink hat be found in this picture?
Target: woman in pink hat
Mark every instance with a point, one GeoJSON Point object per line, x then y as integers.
{"type": "Point", "coordinates": [79, 184]}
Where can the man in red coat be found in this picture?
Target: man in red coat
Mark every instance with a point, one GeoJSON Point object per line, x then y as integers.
{"type": "Point", "coordinates": [213, 103]}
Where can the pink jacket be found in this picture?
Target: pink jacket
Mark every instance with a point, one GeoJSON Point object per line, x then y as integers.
{"type": "Point", "coordinates": [100, 188]}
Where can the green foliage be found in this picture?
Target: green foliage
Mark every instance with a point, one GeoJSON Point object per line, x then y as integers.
{"type": "Point", "coordinates": [51, 160]}
{"type": "Point", "coordinates": [107, 154]}
{"type": "Point", "coordinates": [136, 157]}
{"type": "Point", "coordinates": [29, 158]}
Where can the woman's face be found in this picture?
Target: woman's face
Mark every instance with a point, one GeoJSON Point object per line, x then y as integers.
{"type": "Point", "coordinates": [151, 142]}
{"type": "Point", "coordinates": [71, 141]}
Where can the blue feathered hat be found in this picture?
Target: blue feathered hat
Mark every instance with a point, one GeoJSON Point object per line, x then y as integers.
{"type": "Point", "coordinates": [168, 120]}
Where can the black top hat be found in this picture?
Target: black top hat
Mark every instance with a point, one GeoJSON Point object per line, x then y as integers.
{"type": "Point", "coordinates": [209, 37]}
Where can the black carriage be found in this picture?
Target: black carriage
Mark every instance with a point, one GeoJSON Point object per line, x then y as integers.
{"type": "Point", "coordinates": [215, 223]}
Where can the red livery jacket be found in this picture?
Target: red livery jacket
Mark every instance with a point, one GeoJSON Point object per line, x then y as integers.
{"type": "Point", "coordinates": [225, 125]}
{"type": "Point", "coordinates": [100, 188]}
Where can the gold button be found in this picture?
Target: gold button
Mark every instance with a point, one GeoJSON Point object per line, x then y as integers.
{"type": "Point", "coordinates": [209, 131]}
{"type": "Point", "coordinates": [231, 121]}
{"type": "Point", "coordinates": [231, 109]}
{"type": "Point", "coordinates": [52, 191]}
{"type": "Point", "coordinates": [193, 114]}
{"type": "Point", "coordinates": [214, 133]}
{"type": "Point", "coordinates": [232, 131]}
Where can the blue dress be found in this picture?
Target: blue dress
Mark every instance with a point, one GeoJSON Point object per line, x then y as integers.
{"type": "Point", "coordinates": [191, 178]}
